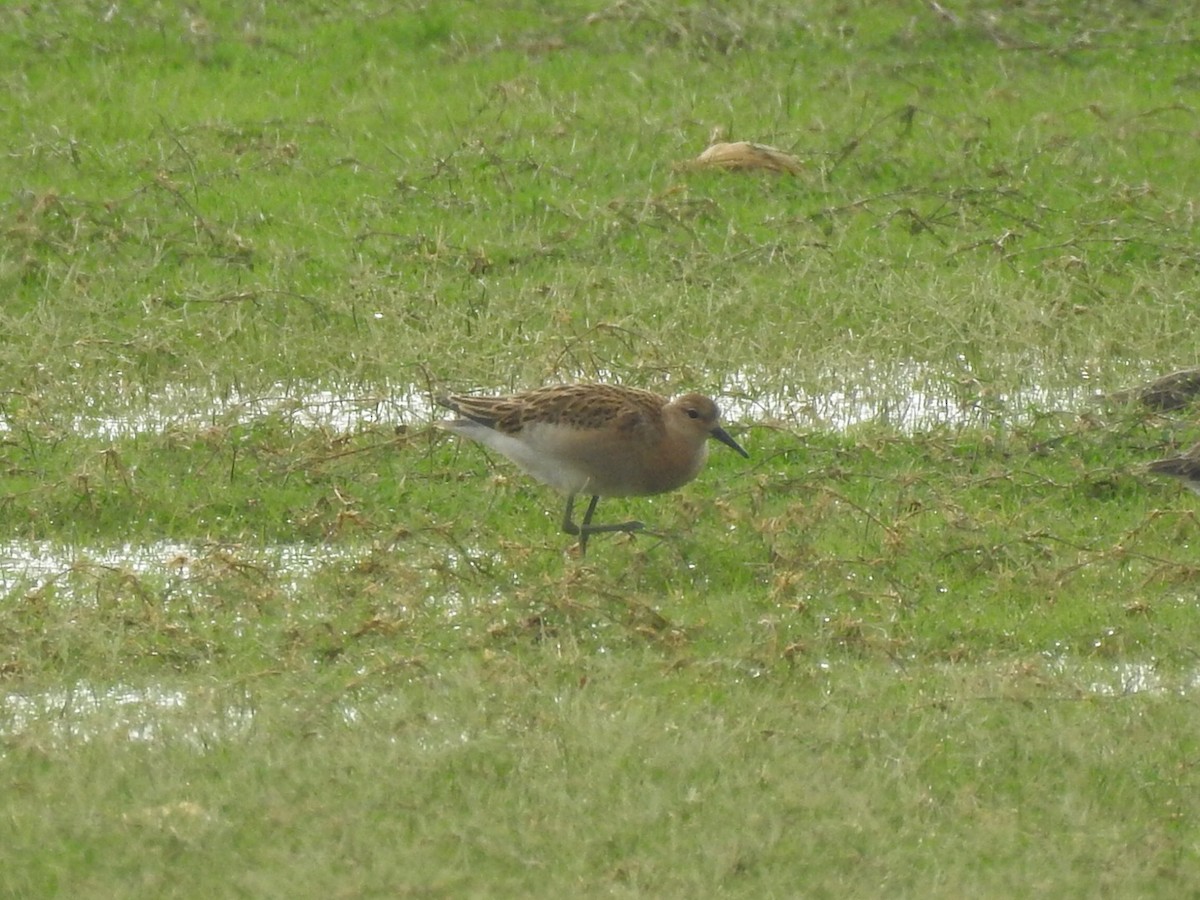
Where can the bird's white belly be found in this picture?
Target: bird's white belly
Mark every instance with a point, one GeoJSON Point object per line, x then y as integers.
{"type": "Point", "coordinates": [532, 454]}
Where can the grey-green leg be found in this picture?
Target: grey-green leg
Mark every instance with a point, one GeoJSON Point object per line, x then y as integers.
{"type": "Point", "coordinates": [586, 529]}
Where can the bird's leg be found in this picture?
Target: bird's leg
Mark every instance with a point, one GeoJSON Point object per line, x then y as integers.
{"type": "Point", "coordinates": [586, 529]}
{"type": "Point", "coordinates": [568, 526]}
{"type": "Point", "coordinates": [587, 516]}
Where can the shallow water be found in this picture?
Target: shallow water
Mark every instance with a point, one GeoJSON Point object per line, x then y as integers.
{"type": "Point", "coordinates": [905, 395]}
{"type": "Point", "coordinates": [1125, 679]}
{"type": "Point", "coordinates": [198, 717]}
{"type": "Point", "coordinates": [84, 712]}
{"type": "Point", "coordinates": [31, 565]}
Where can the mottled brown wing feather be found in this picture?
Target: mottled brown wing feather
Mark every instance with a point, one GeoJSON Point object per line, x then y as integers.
{"type": "Point", "coordinates": [583, 406]}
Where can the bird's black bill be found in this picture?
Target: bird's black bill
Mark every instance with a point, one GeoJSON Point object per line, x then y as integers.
{"type": "Point", "coordinates": [723, 436]}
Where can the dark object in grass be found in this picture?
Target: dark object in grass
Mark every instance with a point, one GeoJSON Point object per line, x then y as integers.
{"type": "Point", "coordinates": [1166, 394]}
{"type": "Point", "coordinates": [1185, 467]}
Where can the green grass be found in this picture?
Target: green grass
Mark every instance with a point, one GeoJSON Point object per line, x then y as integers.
{"type": "Point", "coordinates": [870, 661]}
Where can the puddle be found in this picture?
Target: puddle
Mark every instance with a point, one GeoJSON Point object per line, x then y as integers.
{"type": "Point", "coordinates": [1126, 679]}
{"type": "Point", "coordinates": [299, 405]}
{"type": "Point", "coordinates": [135, 714]}
{"type": "Point", "coordinates": [201, 717]}
{"type": "Point", "coordinates": [906, 395]}
{"type": "Point", "coordinates": [31, 565]}
{"type": "Point", "coordinates": [198, 717]}
{"type": "Point", "coordinates": [177, 572]}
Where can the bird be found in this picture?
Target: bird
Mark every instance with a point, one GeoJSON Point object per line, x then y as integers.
{"type": "Point", "coordinates": [1185, 467]}
{"type": "Point", "coordinates": [600, 440]}
{"type": "Point", "coordinates": [1166, 394]}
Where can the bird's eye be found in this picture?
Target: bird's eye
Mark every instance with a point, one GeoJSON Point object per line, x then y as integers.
{"type": "Point", "coordinates": [693, 413]}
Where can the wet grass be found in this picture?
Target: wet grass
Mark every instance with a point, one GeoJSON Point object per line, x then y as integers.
{"type": "Point", "coordinates": [878, 661]}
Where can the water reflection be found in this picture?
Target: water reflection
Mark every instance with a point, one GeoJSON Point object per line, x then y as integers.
{"type": "Point", "coordinates": [905, 394]}
{"type": "Point", "coordinates": [85, 712]}
{"type": "Point", "coordinates": [31, 565]}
